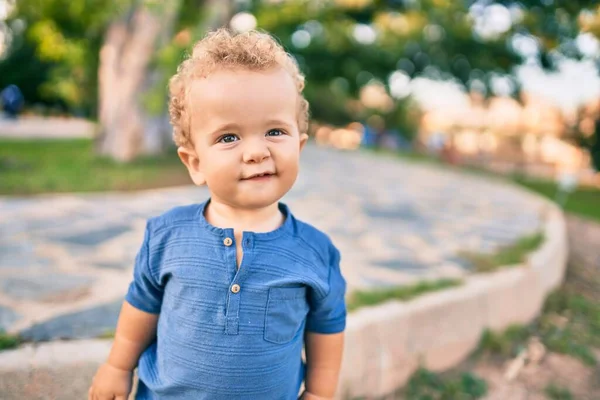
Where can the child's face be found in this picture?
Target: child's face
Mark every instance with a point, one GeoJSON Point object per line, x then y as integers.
{"type": "Point", "coordinates": [244, 123]}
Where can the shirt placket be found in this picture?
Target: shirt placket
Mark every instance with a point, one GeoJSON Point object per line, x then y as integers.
{"type": "Point", "coordinates": [232, 320]}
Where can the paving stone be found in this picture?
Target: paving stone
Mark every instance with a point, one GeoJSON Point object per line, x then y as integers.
{"type": "Point", "coordinates": [7, 317]}
{"type": "Point", "coordinates": [403, 265]}
{"type": "Point", "coordinates": [20, 256]}
{"type": "Point", "coordinates": [95, 237]}
{"type": "Point", "coordinates": [56, 287]}
{"type": "Point", "coordinates": [89, 323]}
{"type": "Point", "coordinates": [461, 262]}
{"type": "Point", "coordinates": [14, 253]}
{"type": "Point", "coordinates": [112, 265]}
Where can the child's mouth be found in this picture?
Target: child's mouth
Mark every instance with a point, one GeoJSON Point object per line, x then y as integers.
{"type": "Point", "coordinates": [259, 177]}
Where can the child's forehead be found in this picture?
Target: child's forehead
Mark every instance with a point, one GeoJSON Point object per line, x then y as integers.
{"type": "Point", "coordinates": [239, 75]}
{"type": "Point", "coordinates": [231, 85]}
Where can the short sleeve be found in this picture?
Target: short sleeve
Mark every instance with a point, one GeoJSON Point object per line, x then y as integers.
{"type": "Point", "coordinates": [145, 293]}
{"type": "Point", "coordinates": [327, 314]}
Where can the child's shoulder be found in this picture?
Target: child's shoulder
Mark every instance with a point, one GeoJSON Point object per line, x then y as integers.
{"type": "Point", "coordinates": [175, 217]}
{"type": "Point", "coordinates": [313, 238]}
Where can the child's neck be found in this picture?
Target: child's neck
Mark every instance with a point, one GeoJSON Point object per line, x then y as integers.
{"type": "Point", "coordinates": [242, 219]}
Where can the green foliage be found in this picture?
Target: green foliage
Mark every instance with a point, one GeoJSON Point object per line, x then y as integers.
{"type": "Point", "coordinates": [363, 298]}
{"type": "Point", "coordinates": [576, 336]}
{"type": "Point", "coordinates": [8, 342]}
{"type": "Point", "coordinates": [582, 330]}
{"type": "Point", "coordinates": [426, 385]}
{"type": "Point", "coordinates": [554, 392]}
{"type": "Point", "coordinates": [434, 38]}
{"type": "Point", "coordinates": [27, 71]}
{"type": "Point", "coordinates": [507, 344]}
{"type": "Point", "coordinates": [69, 165]}
{"type": "Point", "coordinates": [509, 255]}
{"type": "Point", "coordinates": [594, 146]}
{"type": "Point", "coordinates": [66, 36]}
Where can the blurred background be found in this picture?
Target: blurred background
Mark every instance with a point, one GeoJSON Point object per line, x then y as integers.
{"type": "Point", "coordinates": [504, 90]}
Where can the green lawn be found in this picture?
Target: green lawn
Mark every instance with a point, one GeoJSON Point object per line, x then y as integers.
{"type": "Point", "coordinates": [584, 201]}
{"type": "Point", "coordinates": [7, 341]}
{"type": "Point", "coordinates": [42, 166]}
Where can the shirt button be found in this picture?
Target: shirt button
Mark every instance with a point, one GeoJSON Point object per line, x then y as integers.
{"type": "Point", "coordinates": [227, 242]}
{"type": "Point", "coordinates": [235, 288]}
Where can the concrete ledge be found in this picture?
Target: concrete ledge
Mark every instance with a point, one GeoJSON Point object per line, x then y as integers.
{"type": "Point", "coordinates": [385, 344]}
{"type": "Point", "coordinates": [54, 370]}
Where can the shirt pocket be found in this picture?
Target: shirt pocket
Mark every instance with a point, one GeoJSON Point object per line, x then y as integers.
{"type": "Point", "coordinates": [286, 311]}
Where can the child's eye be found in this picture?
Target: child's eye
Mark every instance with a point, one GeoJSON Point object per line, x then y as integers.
{"type": "Point", "coordinates": [275, 132]}
{"type": "Point", "coordinates": [228, 138]}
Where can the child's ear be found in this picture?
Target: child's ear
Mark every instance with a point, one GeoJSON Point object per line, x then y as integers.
{"type": "Point", "coordinates": [303, 140]}
{"type": "Point", "coordinates": [190, 159]}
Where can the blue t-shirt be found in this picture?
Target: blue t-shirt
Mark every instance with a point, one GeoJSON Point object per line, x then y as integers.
{"type": "Point", "coordinates": [225, 333]}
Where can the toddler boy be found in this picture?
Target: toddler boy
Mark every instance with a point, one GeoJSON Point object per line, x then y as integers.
{"type": "Point", "coordinates": [226, 293]}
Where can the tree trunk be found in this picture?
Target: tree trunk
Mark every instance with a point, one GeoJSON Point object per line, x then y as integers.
{"type": "Point", "coordinates": [126, 130]}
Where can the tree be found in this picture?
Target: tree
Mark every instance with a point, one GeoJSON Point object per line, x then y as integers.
{"type": "Point", "coordinates": [341, 45]}
{"type": "Point", "coordinates": [112, 59]}
{"type": "Point", "coordinates": [126, 129]}
{"type": "Point", "coordinates": [132, 88]}
{"type": "Point", "coordinates": [437, 39]}
{"type": "Point", "coordinates": [28, 72]}
{"type": "Point", "coordinates": [61, 39]}
{"type": "Point", "coordinates": [593, 145]}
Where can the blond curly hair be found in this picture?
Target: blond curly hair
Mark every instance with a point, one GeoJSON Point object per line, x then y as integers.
{"type": "Point", "coordinates": [253, 50]}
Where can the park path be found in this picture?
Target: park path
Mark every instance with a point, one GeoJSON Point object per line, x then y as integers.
{"type": "Point", "coordinates": [66, 260]}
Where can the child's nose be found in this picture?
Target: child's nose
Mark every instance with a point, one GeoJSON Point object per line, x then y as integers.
{"type": "Point", "coordinates": [255, 151]}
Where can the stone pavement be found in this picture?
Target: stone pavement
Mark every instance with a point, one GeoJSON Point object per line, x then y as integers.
{"type": "Point", "coordinates": [66, 260]}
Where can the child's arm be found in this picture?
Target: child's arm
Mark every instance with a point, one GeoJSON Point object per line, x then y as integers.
{"type": "Point", "coordinates": [323, 361]}
{"type": "Point", "coordinates": [135, 331]}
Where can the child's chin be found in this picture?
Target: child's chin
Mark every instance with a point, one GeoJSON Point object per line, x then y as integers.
{"type": "Point", "coordinates": [258, 200]}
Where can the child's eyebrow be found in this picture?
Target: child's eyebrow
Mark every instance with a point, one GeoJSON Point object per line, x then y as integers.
{"type": "Point", "coordinates": [279, 122]}
{"type": "Point", "coordinates": [224, 128]}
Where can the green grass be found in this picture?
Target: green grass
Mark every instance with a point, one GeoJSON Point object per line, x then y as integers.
{"type": "Point", "coordinates": [554, 392]}
{"type": "Point", "coordinates": [426, 385]}
{"type": "Point", "coordinates": [576, 336]}
{"type": "Point", "coordinates": [42, 166]}
{"type": "Point", "coordinates": [364, 298]}
{"type": "Point", "coordinates": [505, 344]}
{"type": "Point", "coordinates": [509, 255]}
{"type": "Point", "coordinates": [582, 330]}
{"type": "Point", "coordinates": [109, 334]}
{"type": "Point", "coordinates": [583, 201]}
{"type": "Point", "coordinates": [8, 342]}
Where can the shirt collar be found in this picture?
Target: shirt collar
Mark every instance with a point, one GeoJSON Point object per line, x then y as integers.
{"type": "Point", "coordinates": [285, 227]}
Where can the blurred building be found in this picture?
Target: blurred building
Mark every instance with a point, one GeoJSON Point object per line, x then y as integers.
{"type": "Point", "coordinates": [532, 135]}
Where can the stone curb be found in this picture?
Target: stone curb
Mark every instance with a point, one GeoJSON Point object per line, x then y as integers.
{"type": "Point", "coordinates": [385, 344]}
